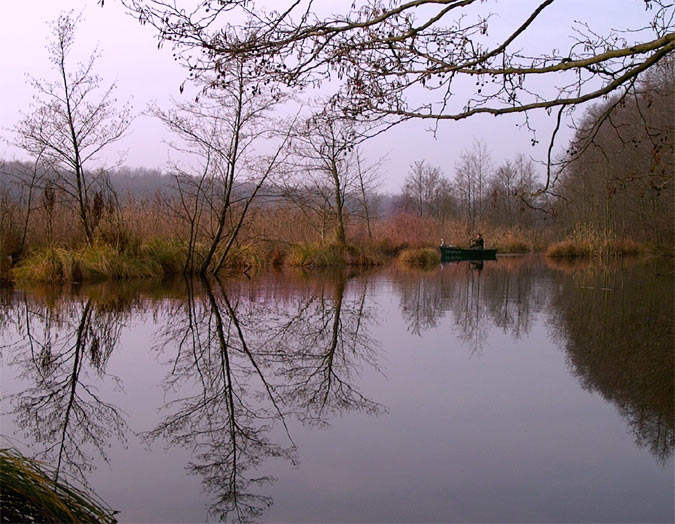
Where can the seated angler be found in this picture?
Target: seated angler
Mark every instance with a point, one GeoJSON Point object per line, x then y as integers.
{"type": "Point", "coordinates": [477, 242]}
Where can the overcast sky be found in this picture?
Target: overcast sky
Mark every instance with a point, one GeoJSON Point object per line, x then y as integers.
{"type": "Point", "coordinates": [143, 74]}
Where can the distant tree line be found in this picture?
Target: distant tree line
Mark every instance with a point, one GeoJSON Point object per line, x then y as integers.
{"type": "Point", "coordinates": [478, 193]}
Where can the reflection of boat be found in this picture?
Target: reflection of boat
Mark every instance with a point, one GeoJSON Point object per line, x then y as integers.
{"type": "Point", "coordinates": [474, 253]}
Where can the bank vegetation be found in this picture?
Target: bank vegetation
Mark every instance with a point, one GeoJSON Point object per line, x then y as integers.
{"type": "Point", "coordinates": [313, 198]}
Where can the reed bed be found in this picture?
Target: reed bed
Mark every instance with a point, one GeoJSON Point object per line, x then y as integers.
{"type": "Point", "coordinates": [333, 255]}
{"type": "Point", "coordinates": [584, 242]}
{"type": "Point", "coordinates": [98, 262]}
{"type": "Point", "coordinates": [149, 239]}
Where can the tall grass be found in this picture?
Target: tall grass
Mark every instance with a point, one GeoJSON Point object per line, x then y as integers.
{"type": "Point", "coordinates": [332, 255]}
{"type": "Point", "coordinates": [155, 260]}
{"type": "Point", "coordinates": [148, 239]}
{"type": "Point", "coordinates": [511, 240]}
{"type": "Point", "coordinates": [421, 258]}
{"type": "Point", "coordinates": [28, 494]}
{"type": "Point", "coordinates": [585, 242]}
{"type": "Point", "coordinates": [418, 232]}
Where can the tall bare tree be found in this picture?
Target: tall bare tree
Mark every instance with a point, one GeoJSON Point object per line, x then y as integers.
{"type": "Point", "coordinates": [509, 192]}
{"type": "Point", "coordinates": [427, 191]}
{"type": "Point", "coordinates": [72, 119]}
{"type": "Point", "coordinates": [221, 131]}
{"type": "Point", "coordinates": [471, 174]}
{"type": "Point", "coordinates": [322, 167]}
{"type": "Point", "coordinates": [367, 182]}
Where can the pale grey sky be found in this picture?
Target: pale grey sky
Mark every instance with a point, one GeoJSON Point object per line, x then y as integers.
{"type": "Point", "coordinates": [143, 74]}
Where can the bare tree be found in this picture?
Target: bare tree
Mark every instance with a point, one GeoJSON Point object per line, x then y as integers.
{"type": "Point", "coordinates": [510, 188]}
{"type": "Point", "coordinates": [322, 168]}
{"type": "Point", "coordinates": [220, 131]}
{"type": "Point", "coordinates": [382, 54]}
{"type": "Point", "coordinates": [367, 182]}
{"type": "Point", "coordinates": [471, 173]}
{"type": "Point", "coordinates": [72, 119]}
{"type": "Point", "coordinates": [427, 191]}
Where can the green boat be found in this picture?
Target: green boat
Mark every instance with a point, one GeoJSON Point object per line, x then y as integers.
{"type": "Point", "coordinates": [472, 253]}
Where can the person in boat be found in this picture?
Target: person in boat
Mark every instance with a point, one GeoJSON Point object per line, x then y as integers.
{"type": "Point", "coordinates": [477, 242]}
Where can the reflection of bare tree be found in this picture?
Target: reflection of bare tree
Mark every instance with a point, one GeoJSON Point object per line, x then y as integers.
{"type": "Point", "coordinates": [323, 344]}
{"type": "Point", "coordinates": [616, 323]}
{"type": "Point", "coordinates": [228, 418]}
{"type": "Point", "coordinates": [58, 347]}
{"type": "Point", "coordinates": [252, 362]}
{"type": "Point", "coordinates": [515, 291]}
{"type": "Point", "coordinates": [421, 302]}
{"type": "Point", "coordinates": [501, 294]}
{"type": "Point", "coordinates": [470, 311]}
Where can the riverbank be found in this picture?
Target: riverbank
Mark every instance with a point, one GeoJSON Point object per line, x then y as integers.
{"type": "Point", "coordinates": [160, 259]}
{"type": "Point", "coordinates": [164, 259]}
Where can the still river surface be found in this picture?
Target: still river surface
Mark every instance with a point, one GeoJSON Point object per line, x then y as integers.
{"type": "Point", "coordinates": [519, 391]}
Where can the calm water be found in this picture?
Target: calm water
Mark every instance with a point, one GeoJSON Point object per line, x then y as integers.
{"type": "Point", "coordinates": [518, 391]}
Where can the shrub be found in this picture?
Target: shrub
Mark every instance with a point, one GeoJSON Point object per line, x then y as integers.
{"type": "Point", "coordinates": [277, 256]}
{"type": "Point", "coordinates": [569, 248]}
{"type": "Point", "coordinates": [420, 258]}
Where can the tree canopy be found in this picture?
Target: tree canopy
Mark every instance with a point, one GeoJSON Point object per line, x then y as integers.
{"type": "Point", "coordinates": [382, 53]}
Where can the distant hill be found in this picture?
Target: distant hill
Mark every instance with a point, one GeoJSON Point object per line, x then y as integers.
{"type": "Point", "coordinates": [145, 184]}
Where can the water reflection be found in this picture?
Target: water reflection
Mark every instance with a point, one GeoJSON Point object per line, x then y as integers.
{"type": "Point", "coordinates": [615, 321]}
{"type": "Point", "coordinates": [62, 348]}
{"type": "Point", "coordinates": [502, 294]}
{"type": "Point", "coordinates": [252, 364]}
{"type": "Point", "coordinates": [616, 324]}
{"type": "Point", "coordinates": [322, 344]}
{"type": "Point", "coordinates": [232, 407]}
{"type": "Point", "coordinates": [246, 361]}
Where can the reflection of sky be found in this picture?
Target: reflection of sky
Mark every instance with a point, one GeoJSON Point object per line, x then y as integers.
{"type": "Point", "coordinates": [504, 434]}
{"type": "Point", "coordinates": [130, 57]}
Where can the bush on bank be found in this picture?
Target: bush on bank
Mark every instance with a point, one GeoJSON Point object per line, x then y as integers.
{"type": "Point", "coordinates": [422, 258]}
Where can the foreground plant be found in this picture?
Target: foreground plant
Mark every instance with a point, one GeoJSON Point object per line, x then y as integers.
{"type": "Point", "coordinates": [29, 494]}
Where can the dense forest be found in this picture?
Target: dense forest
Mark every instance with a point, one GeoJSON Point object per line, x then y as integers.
{"type": "Point", "coordinates": [312, 198]}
